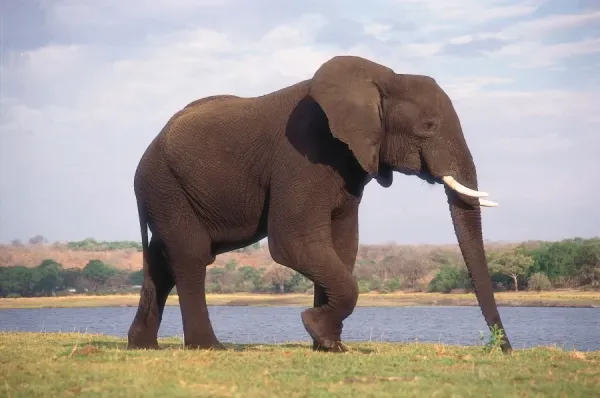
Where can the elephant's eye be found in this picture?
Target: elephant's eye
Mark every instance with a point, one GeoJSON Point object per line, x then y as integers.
{"type": "Point", "coordinates": [429, 125]}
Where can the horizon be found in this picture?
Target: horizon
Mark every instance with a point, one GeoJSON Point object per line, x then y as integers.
{"type": "Point", "coordinates": [86, 87]}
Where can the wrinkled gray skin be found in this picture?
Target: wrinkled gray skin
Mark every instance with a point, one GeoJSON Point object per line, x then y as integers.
{"type": "Point", "coordinates": [228, 171]}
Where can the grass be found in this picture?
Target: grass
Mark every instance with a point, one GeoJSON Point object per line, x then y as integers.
{"type": "Point", "coordinates": [562, 298]}
{"type": "Point", "coordinates": [67, 364]}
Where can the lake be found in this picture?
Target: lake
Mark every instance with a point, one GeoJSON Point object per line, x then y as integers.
{"type": "Point", "coordinates": [569, 328]}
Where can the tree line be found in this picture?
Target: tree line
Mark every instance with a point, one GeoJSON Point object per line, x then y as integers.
{"type": "Point", "coordinates": [571, 263]}
{"type": "Point", "coordinates": [93, 245]}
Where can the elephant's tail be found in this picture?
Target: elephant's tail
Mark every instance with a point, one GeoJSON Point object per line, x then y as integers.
{"type": "Point", "coordinates": [143, 216]}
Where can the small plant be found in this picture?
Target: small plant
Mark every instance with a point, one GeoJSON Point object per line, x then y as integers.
{"type": "Point", "coordinates": [495, 340]}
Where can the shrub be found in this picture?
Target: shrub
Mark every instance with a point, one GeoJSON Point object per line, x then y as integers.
{"type": "Point", "coordinates": [450, 278]}
{"type": "Point", "coordinates": [539, 281]}
{"type": "Point", "coordinates": [392, 284]}
{"type": "Point", "coordinates": [374, 284]}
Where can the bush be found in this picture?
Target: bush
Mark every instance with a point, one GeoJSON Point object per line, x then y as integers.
{"type": "Point", "coordinates": [136, 277]}
{"type": "Point", "coordinates": [539, 281]}
{"type": "Point", "coordinates": [374, 284]}
{"type": "Point", "coordinates": [363, 286]}
{"type": "Point", "coordinates": [392, 285]}
{"type": "Point", "coordinates": [450, 278]}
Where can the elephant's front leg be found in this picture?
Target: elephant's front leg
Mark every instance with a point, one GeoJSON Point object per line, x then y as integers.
{"type": "Point", "coordinates": [344, 236]}
{"type": "Point", "coordinates": [314, 256]}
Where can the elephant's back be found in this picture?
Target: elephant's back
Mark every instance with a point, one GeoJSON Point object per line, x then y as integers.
{"type": "Point", "coordinates": [214, 147]}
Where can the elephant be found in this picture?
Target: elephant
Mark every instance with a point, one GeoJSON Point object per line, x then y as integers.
{"type": "Point", "coordinates": [227, 171]}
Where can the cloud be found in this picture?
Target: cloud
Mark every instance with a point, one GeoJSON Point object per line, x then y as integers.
{"type": "Point", "coordinates": [549, 24]}
{"type": "Point", "coordinates": [82, 99]}
{"type": "Point", "coordinates": [470, 47]}
{"type": "Point", "coordinates": [114, 12]}
{"type": "Point", "coordinates": [524, 44]}
{"type": "Point", "coordinates": [528, 49]}
{"type": "Point", "coordinates": [473, 11]}
{"type": "Point", "coordinates": [533, 55]}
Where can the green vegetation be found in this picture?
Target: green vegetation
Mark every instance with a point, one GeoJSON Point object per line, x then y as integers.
{"type": "Point", "coordinates": [570, 263]}
{"type": "Point", "coordinates": [39, 364]}
{"type": "Point", "coordinates": [93, 245]}
{"type": "Point", "coordinates": [51, 279]}
{"type": "Point", "coordinates": [567, 264]}
{"type": "Point", "coordinates": [535, 266]}
{"type": "Point", "coordinates": [450, 278]}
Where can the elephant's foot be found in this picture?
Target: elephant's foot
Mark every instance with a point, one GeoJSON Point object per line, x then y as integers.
{"type": "Point", "coordinates": [204, 343]}
{"type": "Point", "coordinates": [320, 327]}
{"type": "Point", "coordinates": [506, 347]}
{"type": "Point", "coordinates": [339, 347]}
{"type": "Point", "coordinates": [140, 341]}
{"type": "Point", "coordinates": [141, 337]}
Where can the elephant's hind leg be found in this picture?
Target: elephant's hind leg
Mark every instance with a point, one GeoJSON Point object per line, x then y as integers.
{"type": "Point", "coordinates": [156, 287]}
{"type": "Point", "coordinates": [188, 252]}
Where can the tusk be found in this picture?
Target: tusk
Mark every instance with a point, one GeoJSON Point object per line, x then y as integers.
{"type": "Point", "coordinates": [458, 187]}
{"type": "Point", "coordinates": [487, 203]}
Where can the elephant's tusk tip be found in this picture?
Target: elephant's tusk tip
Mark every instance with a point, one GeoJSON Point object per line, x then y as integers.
{"type": "Point", "coordinates": [487, 203]}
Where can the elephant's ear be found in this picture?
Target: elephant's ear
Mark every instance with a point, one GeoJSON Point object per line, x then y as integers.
{"type": "Point", "coordinates": [349, 92]}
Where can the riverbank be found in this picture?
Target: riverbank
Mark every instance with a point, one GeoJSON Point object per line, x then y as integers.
{"type": "Point", "coordinates": [562, 298]}
{"type": "Point", "coordinates": [64, 364]}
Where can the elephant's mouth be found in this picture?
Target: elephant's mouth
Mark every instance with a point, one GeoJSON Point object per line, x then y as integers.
{"type": "Point", "coordinates": [424, 174]}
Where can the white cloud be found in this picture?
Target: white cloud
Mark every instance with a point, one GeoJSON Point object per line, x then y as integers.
{"type": "Point", "coordinates": [112, 12]}
{"type": "Point", "coordinates": [515, 105]}
{"type": "Point", "coordinates": [472, 87]}
{"type": "Point", "coordinates": [474, 37]}
{"type": "Point", "coordinates": [528, 45]}
{"type": "Point", "coordinates": [378, 30]}
{"type": "Point", "coordinates": [533, 54]}
{"type": "Point", "coordinates": [541, 26]}
{"type": "Point", "coordinates": [422, 49]}
{"type": "Point", "coordinates": [474, 11]}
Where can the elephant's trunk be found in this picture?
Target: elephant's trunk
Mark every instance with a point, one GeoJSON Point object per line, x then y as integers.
{"type": "Point", "coordinates": [466, 218]}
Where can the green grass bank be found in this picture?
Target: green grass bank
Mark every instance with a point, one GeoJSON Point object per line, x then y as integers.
{"type": "Point", "coordinates": [45, 365]}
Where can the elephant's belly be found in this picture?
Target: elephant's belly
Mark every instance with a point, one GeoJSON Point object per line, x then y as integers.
{"type": "Point", "coordinates": [234, 215]}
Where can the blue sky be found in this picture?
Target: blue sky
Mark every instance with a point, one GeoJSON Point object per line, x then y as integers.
{"type": "Point", "coordinates": [87, 85]}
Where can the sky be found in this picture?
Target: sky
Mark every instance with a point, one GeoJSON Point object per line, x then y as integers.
{"type": "Point", "coordinates": [85, 86]}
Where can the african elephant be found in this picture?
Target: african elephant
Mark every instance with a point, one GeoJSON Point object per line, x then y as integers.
{"type": "Point", "coordinates": [227, 171]}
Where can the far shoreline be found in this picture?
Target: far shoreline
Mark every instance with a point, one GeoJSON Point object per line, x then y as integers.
{"type": "Point", "coordinates": [559, 298]}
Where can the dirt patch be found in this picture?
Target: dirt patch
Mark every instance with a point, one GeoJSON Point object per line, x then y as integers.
{"type": "Point", "coordinates": [84, 351]}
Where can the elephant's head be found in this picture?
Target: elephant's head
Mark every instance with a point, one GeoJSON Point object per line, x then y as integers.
{"type": "Point", "coordinates": [407, 123]}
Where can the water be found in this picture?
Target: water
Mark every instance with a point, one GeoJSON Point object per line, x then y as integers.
{"type": "Point", "coordinates": [570, 328]}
